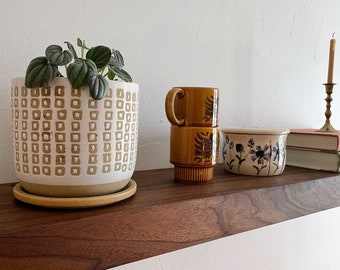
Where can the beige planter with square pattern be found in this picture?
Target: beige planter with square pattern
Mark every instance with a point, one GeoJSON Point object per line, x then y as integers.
{"type": "Point", "coordinates": [68, 145]}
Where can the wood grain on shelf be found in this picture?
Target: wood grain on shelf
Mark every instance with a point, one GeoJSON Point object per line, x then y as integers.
{"type": "Point", "coordinates": [162, 216]}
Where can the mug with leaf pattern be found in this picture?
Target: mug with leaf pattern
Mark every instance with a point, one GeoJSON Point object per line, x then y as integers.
{"type": "Point", "coordinates": [192, 106]}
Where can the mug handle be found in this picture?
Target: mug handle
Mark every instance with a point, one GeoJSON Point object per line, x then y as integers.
{"type": "Point", "coordinates": [170, 106]}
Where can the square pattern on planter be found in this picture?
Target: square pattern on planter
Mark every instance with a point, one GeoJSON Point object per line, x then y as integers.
{"type": "Point", "coordinates": [55, 135]}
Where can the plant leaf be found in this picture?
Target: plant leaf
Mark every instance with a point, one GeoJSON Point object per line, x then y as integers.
{"type": "Point", "coordinates": [111, 74]}
{"type": "Point", "coordinates": [100, 55]}
{"type": "Point", "coordinates": [121, 73]}
{"type": "Point", "coordinates": [71, 48]}
{"type": "Point", "coordinates": [79, 72]}
{"type": "Point", "coordinates": [81, 43]}
{"type": "Point", "coordinates": [39, 72]}
{"type": "Point", "coordinates": [116, 59]}
{"type": "Point", "coordinates": [98, 86]}
{"type": "Point", "coordinates": [56, 56]}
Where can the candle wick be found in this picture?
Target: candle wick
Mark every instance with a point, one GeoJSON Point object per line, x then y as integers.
{"type": "Point", "coordinates": [333, 35]}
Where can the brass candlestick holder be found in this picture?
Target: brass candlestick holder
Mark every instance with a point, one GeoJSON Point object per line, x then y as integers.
{"type": "Point", "coordinates": [327, 127]}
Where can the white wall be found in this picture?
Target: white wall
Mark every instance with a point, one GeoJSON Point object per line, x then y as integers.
{"type": "Point", "coordinates": [268, 57]}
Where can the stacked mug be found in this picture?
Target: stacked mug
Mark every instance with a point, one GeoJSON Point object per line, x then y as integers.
{"type": "Point", "coordinates": [194, 137]}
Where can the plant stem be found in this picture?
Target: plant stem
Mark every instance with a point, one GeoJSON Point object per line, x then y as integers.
{"type": "Point", "coordinates": [82, 49]}
{"type": "Point", "coordinates": [59, 74]}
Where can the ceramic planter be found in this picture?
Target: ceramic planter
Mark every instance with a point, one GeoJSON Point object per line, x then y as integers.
{"type": "Point", "coordinates": [257, 152]}
{"type": "Point", "coordinates": [69, 145]}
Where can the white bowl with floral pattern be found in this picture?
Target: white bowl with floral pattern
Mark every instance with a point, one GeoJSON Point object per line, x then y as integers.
{"type": "Point", "coordinates": [254, 151]}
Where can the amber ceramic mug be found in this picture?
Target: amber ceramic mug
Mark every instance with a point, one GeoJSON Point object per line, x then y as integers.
{"type": "Point", "coordinates": [192, 106]}
{"type": "Point", "coordinates": [194, 153]}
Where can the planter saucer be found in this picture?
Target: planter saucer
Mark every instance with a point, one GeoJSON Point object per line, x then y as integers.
{"type": "Point", "coordinates": [76, 202]}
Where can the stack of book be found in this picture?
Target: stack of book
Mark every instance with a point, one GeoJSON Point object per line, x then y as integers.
{"type": "Point", "coordinates": [312, 149]}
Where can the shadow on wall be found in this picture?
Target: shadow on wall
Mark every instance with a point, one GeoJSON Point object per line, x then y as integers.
{"type": "Point", "coordinates": [153, 153]}
{"type": "Point", "coordinates": [6, 155]}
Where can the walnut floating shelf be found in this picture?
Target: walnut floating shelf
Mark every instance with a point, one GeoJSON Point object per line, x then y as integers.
{"type": "Point", "coordinates": [162, 216]}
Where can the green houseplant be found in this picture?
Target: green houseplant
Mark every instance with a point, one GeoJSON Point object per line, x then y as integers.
{"type": "Point", "coordinates": [89, 69]}
{"type": "Point", "coordinates": [75, 135]}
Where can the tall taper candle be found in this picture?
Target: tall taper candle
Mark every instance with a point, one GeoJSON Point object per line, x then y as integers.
{"type": "Point", "coordinates": [331, 59]}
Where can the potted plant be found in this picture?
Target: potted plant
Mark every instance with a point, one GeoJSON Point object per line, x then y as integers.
{"type": "Point", "coordinates": [75, 136]}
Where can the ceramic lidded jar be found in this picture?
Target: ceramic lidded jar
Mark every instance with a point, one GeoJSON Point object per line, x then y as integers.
{"type": "Point", "coordinates": [253, 151]}
{"type": "Point", "coordinates": [68, 145]}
